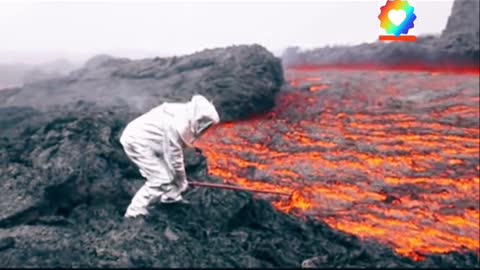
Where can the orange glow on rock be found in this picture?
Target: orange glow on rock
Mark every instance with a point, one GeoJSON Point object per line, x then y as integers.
{"type": "Point", "coordinates": [385, 155]}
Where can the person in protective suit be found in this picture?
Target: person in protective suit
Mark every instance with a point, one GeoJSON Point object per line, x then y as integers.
{"type": "Point", "coordinates": [155, 141]}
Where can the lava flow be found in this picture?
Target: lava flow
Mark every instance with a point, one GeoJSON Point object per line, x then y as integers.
{"type": "Point", "coordinates": [384, 155]}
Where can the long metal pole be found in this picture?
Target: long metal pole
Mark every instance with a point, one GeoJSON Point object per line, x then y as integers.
{"type": "Point", "coordinates": [231, 187]}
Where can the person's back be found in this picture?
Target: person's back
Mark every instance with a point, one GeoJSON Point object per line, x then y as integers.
{"type": "Point", "coordinates": [155, 140]}
{"type": "Point", "coordinates": [153, 123]}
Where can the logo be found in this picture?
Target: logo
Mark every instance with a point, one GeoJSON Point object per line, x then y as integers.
{"type": "Point", "coordinates": [396, 19]}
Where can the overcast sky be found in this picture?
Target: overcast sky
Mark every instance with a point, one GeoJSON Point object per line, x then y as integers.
{"type": "Point", "coordinates": [36, 30]}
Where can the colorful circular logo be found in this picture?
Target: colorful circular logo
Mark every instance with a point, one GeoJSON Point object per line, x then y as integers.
{"type": "Point", "coordinates": [397, 17]}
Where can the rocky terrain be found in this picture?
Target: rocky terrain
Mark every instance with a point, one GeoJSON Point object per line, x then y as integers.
{"type": "Point", "coordinates": [456, 47]}
{"type": "Point", "coordinates": [242, 81]}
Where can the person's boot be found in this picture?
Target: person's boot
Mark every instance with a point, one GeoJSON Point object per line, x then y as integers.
{"type": "Point", "coordinates": [179, 199]}
{"type": "Point", "coordinates": [133, 213]}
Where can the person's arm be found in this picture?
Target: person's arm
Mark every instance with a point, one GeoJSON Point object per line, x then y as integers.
{"type": "Point", "coordinates": [176, 159]}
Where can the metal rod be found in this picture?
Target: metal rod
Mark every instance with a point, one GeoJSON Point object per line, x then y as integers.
{"type": "Point", "coordinates": [231, 187]}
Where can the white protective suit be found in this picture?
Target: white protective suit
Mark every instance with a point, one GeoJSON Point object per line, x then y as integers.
{"type": "Point", "coordinates": [155, 141]}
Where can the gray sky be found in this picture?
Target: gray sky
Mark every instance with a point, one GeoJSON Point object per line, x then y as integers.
{"type": "Point", "coordinates": [36, 31]}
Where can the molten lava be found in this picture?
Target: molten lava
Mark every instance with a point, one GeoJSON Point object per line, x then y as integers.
{"type": "Point", "coordinates": [391, 156]}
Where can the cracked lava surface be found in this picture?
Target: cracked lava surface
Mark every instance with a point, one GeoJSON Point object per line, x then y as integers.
{"type": "Point", "coordinates": [391, 156]}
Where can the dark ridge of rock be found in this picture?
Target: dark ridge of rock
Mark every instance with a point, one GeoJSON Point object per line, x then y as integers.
{"type": "Point", "coordinates": [464, 18]}
{"type": "Point", "coordinates": [241, 80]}
{"type": "Point", "coordinates": [458, 45]}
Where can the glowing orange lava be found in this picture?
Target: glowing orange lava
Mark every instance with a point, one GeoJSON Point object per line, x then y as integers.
{"type": "Point", "coordinates": [392, 156]}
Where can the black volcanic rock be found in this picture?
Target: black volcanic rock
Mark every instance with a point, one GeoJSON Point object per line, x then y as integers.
{"type": "Point", "coordinates": [461, 35]}
{"type": "Point", "coordinates": [463, 19]}
{"type": "Point", "coordinates": [241, 80]}
{"type": "Point", "coordinates": [458, 45]}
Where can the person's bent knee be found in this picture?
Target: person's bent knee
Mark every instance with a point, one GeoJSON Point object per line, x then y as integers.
{"type": "Point", "coordinates": [159, 187]}
{"type": "Point", "coordinates": [127, 141]}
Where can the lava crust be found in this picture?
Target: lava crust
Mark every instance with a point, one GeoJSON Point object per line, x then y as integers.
{"type": "Point", "coordinates": [382, 155]}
